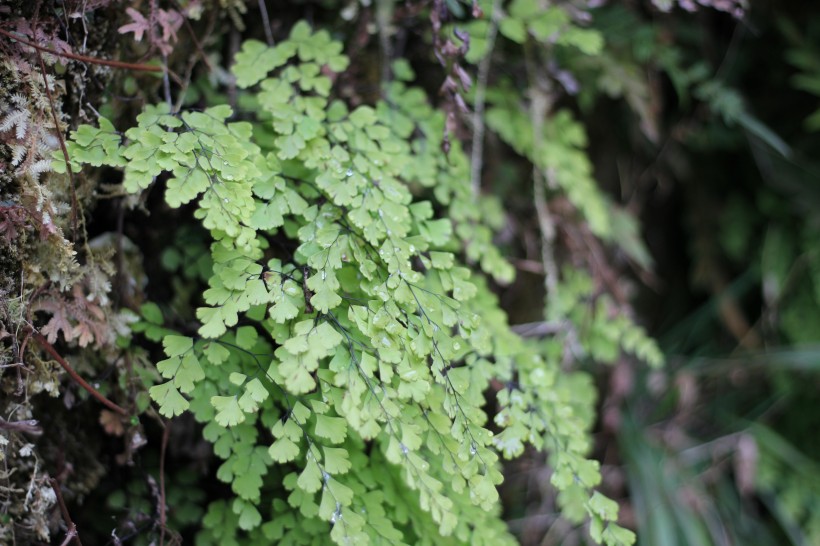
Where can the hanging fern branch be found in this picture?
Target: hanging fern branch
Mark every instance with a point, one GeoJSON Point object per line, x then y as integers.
{"type": "Point", "coordinates": [373, 344]}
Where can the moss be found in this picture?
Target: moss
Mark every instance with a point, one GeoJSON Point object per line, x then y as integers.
{"type": "Point", "coordinates": [39, 250]}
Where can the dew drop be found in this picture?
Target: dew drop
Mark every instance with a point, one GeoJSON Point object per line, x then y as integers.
{"type": "Point", "coordinates": [412, 248]}
{"type": "Point", "coordinates": [472, 449]}
{"type": "Point", "coordinates": [404, 449]}
{"type": "Point", "coordinates": [349, 172]}
{"type": "Point", "coordinates": [324, 274]}
{"type": "Point", "coordinates": [226, 200]}
{"type": "Point", "coordinates": [337, 515]}
{"type": "Point", "coordinates": [381, 213]}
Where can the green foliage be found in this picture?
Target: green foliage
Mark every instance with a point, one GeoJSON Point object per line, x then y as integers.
{"type": "Point", "coordinates": [803, 56]}
{"type": "Point", "coordinates": [133, 501]}
{"type": "Point", "coordinates": [322, 269]}
{"type": "Point", "coordinates": [788, 480]}
{"type": "Point", "coordinates": [347, 380]}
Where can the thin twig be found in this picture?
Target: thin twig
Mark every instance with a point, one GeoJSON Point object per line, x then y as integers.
{"type": "Point", "coordinates": [166, 83]}
{"type": "Point", "coordinates": [30, 492]}
{"type": "Point", "coordinates": [266, 22]}
{"type": "Point", "coordinates": [75, 205]}
{"type": "Point", "coordinates": [75, 376]}
{"type": "Point", "coordinates": [70, 535]}
{"type": "Point", "coordinates": [477, 153]}
{"type": "Point", "coordinates": [189, 70]}
{"type": "Point", "coordinates": [538, 329]}
{"type": "Point", "coordinates": [165, 434]}
{"type": "Point", "coordinates": [72, 528]}
{"type": "Point", "coordinates": [83, 58]}
{"type": "Point", "coordinates": [546, 224]}
{"type": "Point", "coordinates": [29, 426]}
{"type": "Point", "coordinates": [233, 47]}
{"type": "Point", "coordinates": [197, 43]}
{"type": "Point", "coordinates": [384, 17]}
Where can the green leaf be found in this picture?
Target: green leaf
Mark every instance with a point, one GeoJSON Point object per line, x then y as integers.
{"type": "Point", "coordinates": [228, 411]}
{"type": "Point", "coordinates": [325, 300]}
{"type": "Point", "coordinates": [437, 232]}
{"type": "Point", "coordinates": [310, 479]}
{"type": "Point", "coordinates": [177, 345]}
{"type": "Point", "coordinates": [300, 32]}
{"type": "Point", "coordinates": [256, 389]}
{"type": "Point", "coordinates": [171, 403]}
{"type": "Point", "coordinates": [483, 491]}
{"type": "Point", "coordinates": [212, 324]}
{"type": "Point", "coordinates": [283, 450]}
{"type": "Point", "coordinates": [151, 312]}
{"type": "Point", "coordinates": [602, 507]}
{"type": "Point", "coordinates": [246, 337]}
{"type": "Point", "coordinates": [615, 535]}
{"type": "Point", "coordinates": [460, 379]}
{"type": "Point", "coordinates": [255, 60]}
{"type": "Point", "coordinates": [402, 70]}
{"type": "Point", "coordinates": [336, 460]}
{"type": "Point", "coordinates": [589, 42]}
{"type": "Point", "coordinates": [513, 29]}
{"type": "Point", "coordinates": [189, 373]}
{"type": "Point", "coordinates": [216, 353]}
{"type": "Point", "coordinates": [249, 516]}
{"type": "Point", "coordinates": [441, 260]}
{"type": "Point", "coordinates": [363, 116]}
{"type": "Point", "coordinates": [332, 428]}
{"type": "Point", "coordinates": [283, 310]}
{"type": "Point", "coordinates": [255, 393]}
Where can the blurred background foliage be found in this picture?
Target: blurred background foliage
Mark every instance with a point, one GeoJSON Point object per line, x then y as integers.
{"type": "Point", "coordinates": [704, 125]}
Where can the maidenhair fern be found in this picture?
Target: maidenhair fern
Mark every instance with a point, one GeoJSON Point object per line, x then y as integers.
{"type": "Point", "coordinates": [345, 345]}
